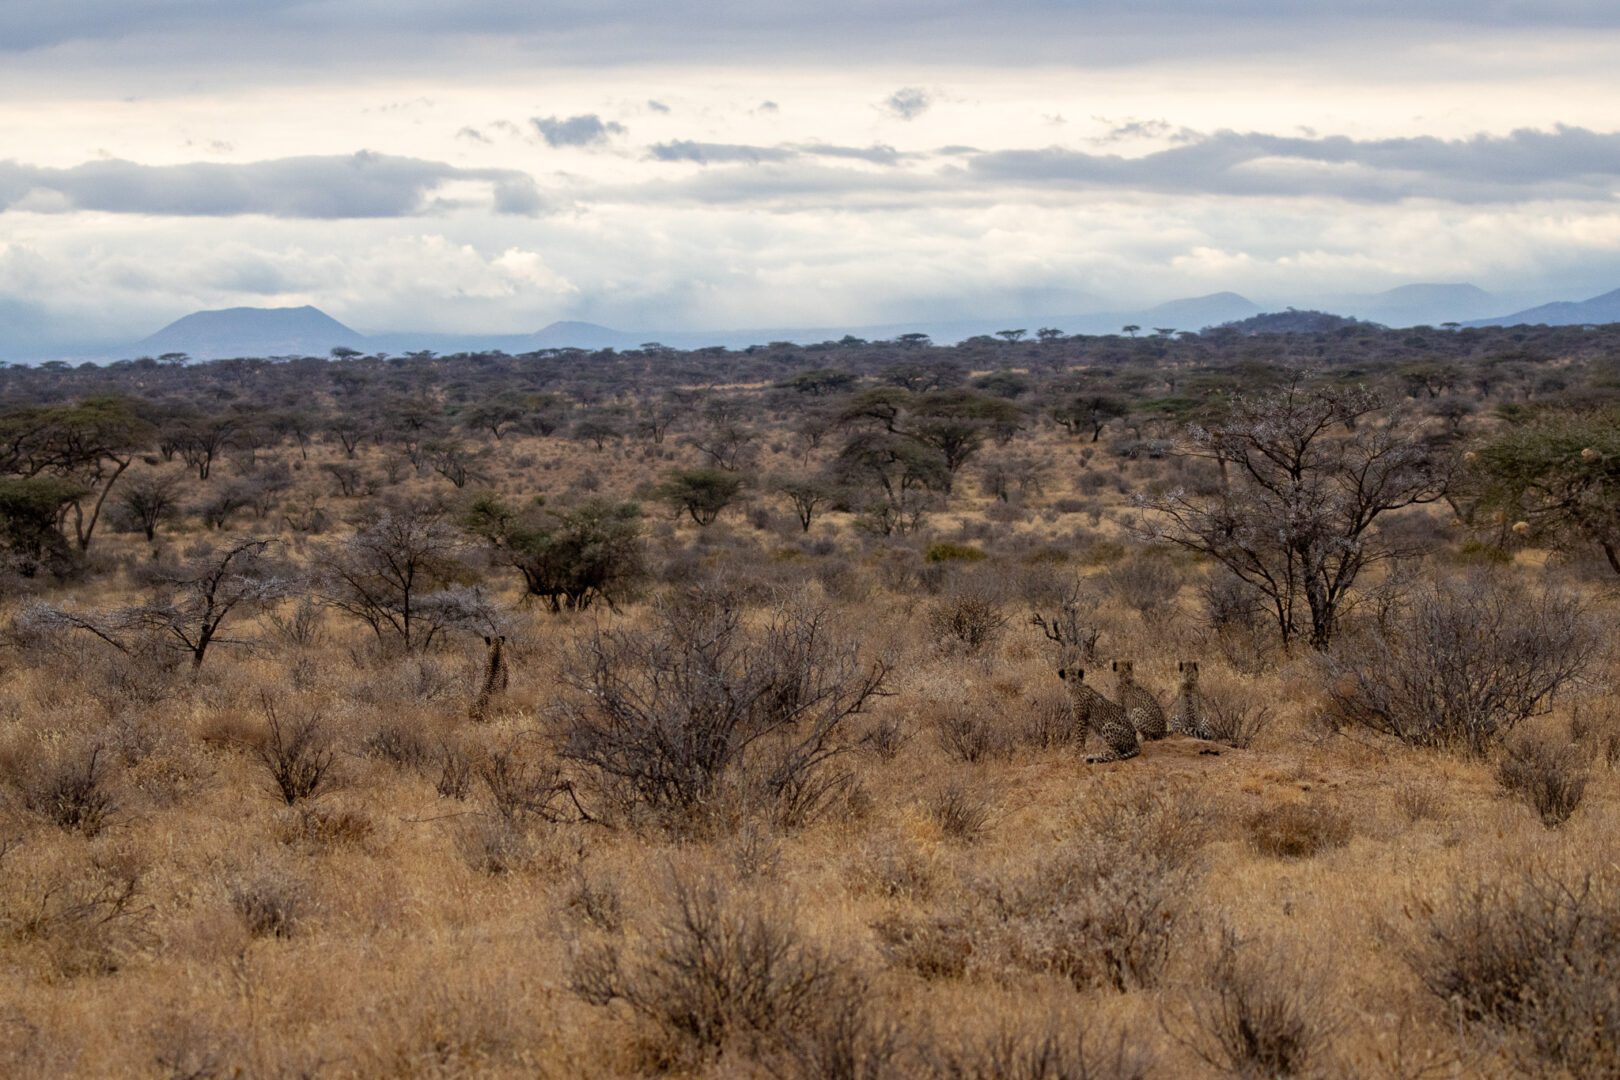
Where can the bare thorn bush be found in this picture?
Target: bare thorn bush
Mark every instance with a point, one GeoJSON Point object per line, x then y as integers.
{"type": "Point", "coordinates": [296, 755]}
{"type": "Point", "coordinates": [1236, 714]}
{"type": "Point", "coordinates": [72, 791]}
{"type": "Point", "coordinates": [1258, 1014]}
{"type": "Point", "coordinates": [972, 735]}
{"type": "Point", "coordinates": [1534, 956]}
{"type": "Point", "coordinates": [1546, 772]}
{"type": "Point", "coordinates": [718, 976]}
{"type": "Point", "coordinates": [1466, 662]}
{"type": "Point", "coordinates": [666, 718]}
{"type": "Point", "coordinates": [270, 904]}
{"type": "Point", "coordinates": [969, 619]}
{"type": "Point", "coordinates": [961, 813]}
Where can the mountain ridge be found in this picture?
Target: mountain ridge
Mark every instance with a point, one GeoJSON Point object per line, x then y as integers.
{"type": "Point", "coordinates": [307, 330]}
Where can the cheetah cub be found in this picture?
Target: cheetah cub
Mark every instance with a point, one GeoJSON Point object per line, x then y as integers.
{"type": "Point", "coordinates": [1095, 713]}
{"type": "Point", "coordinates": [1188, 717]}
{"type": "Point", "coordinates": [1143, 709]}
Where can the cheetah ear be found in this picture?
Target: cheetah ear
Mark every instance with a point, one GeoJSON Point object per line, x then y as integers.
{"type": "Point", "coordinates": [1115, 665]}
{"type": "Point", "coordinates": [488, 640]}
{"type": "Point", "coordinates": [1181, 665]}
{"type": "Point", "coordinates": [1063, 673]}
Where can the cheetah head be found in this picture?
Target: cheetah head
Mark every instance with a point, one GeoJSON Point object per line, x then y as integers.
{"type": "Point", "coordinates": [1124, 668]}
{"type": "Point", "coordinates": [1187, 667]}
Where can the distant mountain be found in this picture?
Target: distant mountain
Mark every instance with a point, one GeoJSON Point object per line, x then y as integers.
{"type": "Point", "coordinates": [231, 332]}
{"type": "Point", "coordinates": [1415, 305]}
{"type": "Point", "coordinates": [1597, 310]}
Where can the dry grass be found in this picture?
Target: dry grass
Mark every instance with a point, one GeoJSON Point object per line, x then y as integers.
{"type": "Point", "coordinates": [370, 885]}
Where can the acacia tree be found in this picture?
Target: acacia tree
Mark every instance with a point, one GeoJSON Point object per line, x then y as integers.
{"type": "Point", "coordinates": [1310, 470]}
{"type": "Point", "coordinates": [568, 557]}
{"type": "Point", "coordinates": [1561, 476]}
{"type": "Point", "coordinates": [701, 493]}
{"type": "Point", "coordinates": [195, 599]}
{"type": "Point", "coordinates": [88, 444]}
{"type": "Point", "coordinates": [392, 574]}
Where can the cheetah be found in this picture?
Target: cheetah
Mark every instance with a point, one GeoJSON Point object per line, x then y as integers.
{"type": "Point", "coordinates": [1145, 712]}
{"type": "Point", "coordinates": [1188, 716]}
{"type": "Point", "coordinates": [496, 677]}
{"type": "Point", "coordinates": [1095, 713]}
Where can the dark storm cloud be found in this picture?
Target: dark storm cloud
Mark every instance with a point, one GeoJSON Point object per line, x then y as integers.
{"type": "Point", "coordinates": [363, 185]}
{"type": "Point", "coordinates": [586, 130]}
{"type": "Point", "coordinates": [705, 153]}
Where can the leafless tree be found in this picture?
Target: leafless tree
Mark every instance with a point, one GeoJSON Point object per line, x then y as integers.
{"type": "Point", "coordinates": [1308, 470]}
{"type": "Point", "coordinates": [391, 576]}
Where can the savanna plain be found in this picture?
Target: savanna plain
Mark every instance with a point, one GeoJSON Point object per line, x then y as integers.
{"type": "Point", "coordinates": [700, 713]}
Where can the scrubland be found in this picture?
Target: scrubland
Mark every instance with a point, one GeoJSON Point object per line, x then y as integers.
{"type": "Point", "coordinates": [805, 801]}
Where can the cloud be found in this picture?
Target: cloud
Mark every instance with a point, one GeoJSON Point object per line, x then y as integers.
{"type": "Point", "coordinates": [584, 130]}
{"type": "Point", "coordinates": [705, 153]}
{"type": "Point", "coordinates": [657, 106]}
{"type": "Point", "coordinates": [472, 134]}
{"type": "Point", "coordinates": [362, 185]}
{"type": "Point", "coordinates": [1564, 163]}
{"type": "Point", "coordinates": [909, 102]}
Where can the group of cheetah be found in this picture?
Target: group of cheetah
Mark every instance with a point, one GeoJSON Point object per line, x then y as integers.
{"type": "Point", "coordinates": [1122, 726]}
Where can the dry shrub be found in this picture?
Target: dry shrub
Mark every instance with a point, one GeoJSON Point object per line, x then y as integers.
{"type": "Point", "coordinates": [1546, 772]}
{"type": "Point", "coordinates": [666, 719]}
{"type": "Point", "coordinates": [598, 903]}
{"type": "Point", "coordinates": [71, 790]}
{"type": "Point", "coordinates": [972, 735]}
{"type": "Point", "coordinates": [1420, 800]}
{"type": "Point", "coordinates": [400, 744]}
{"type": "Point", "coordinates": [896, 871]}
{"type": "Point", "coordinates": [296, 755]}
{"type": "Point", "coordinates": [1105, 911]}
{"type": "Point", "coordinates": [85, 917]}
{"type": "Point", "coordinates": [1467, 661]}
{"type": "Point", "coordinates": [1258, 1014]}
{"type": "Point", "coordinates": [1596, 725]}
{"type": "Point", "coordinates": [1146, 582]}
{"type": "Point", "coordinates": [1049, 722]}
{"type": "Point", "coordinates": [320, 828]}
{"type": "Point", "coordinates": [887, 738]}
{"type": "Point", "coordinates": [451, 1030]}
{"type": "Point", "coordinates": [270, 904]}
{"type": "Point", "coordinates": [455, 772]}
{"type": "Point", "coordinates": [1236, 713]}
{"type": "Point", "coordinates": [717, 976]}
{"type": "Point", "coordinates": [1533, 955]}
{"type": "Point", "coordinates": [968, 619]}
{"type": "Point", "coordinates": [961, 813]}
{"type": "Point", "coordinates": [1297, 830]}
{"type": "Point", "coordinates": [1060, 1052]}
{"type": "Point", "coordinates": [934, 947]}
{"type": "Point", "coordinates": [494, 846]}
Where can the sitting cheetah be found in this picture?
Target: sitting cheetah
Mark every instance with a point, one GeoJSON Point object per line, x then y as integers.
{"type": "Point", "coordinates": [1145, 712]}
{"type": "Point", "coordinates": [1188, 716]}
{"type": "Point", "coordinates": [1095, 713]}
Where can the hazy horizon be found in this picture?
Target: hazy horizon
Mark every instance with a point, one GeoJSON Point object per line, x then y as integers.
{"type": "Point", "coordinates": [498, 167]}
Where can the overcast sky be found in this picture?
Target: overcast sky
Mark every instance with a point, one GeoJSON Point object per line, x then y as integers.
{"type": "Point", "coordinates": [661, 164]}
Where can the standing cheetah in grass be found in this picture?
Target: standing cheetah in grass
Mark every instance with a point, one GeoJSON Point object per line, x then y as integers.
{"type": "Point", "coordinates": [1188, 717]}
{"type": "Point", "coordinates": [1143, 709]}
{"type": "Point", "coordinates": [1095, 713]}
